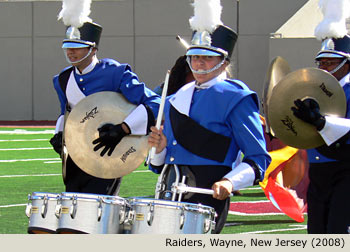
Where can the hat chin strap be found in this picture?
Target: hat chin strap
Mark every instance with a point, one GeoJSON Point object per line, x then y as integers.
{"type": "Point", "coordinates": [78, 61]}
{"type": "Point", "coordinates": [188, 59]}
{"type": "Point", "coordinates": [339, 66]}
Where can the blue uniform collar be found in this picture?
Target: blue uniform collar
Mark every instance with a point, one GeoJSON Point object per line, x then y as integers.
{"type": "Point", "coordinates": [182, 99]}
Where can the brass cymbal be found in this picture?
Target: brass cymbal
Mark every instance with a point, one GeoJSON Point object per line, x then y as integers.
{"type": "Point", "coordinates": [81, 129]}
{"type": "Point", "coordinates": [302, 84]}
{"type": "Point", "coordinates": [278, 68]}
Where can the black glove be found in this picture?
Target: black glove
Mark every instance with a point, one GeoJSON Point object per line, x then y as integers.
{"type": "Point", "coordinates": [56, 142]}
{"type": "Point", "coordinates": [309, 111]}
{"type": "Point", "coordinates": [110, 136]}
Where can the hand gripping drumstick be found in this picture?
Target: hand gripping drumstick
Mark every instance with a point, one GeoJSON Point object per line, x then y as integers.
{"type": "Point", "coordinates": [160, 112]}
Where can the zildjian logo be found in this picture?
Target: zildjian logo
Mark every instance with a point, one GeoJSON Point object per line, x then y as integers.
{"type": "Point", "coordinates": [89, 115]}
{"type": "Point", "coordinates": [325, 90]}
{"type": "Point", "coordinates": [290, 124]}
{"type": "Point", "coordinates": [127, 153]}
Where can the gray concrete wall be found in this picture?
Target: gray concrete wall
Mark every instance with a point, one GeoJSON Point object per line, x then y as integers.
{"type": "Point", "coordinates": [298, 52]}
{"type": "Point", "coordinates": [257, 20]}
{"type": "Point", "coordinates": [139, 32]}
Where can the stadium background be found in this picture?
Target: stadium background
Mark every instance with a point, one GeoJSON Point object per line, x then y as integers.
{"type": "Point", "coordinates": [141, 33]}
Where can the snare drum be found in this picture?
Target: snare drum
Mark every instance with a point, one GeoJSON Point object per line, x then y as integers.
{"type": "Point", "coordinates": [83, 213]}
{"type": "Point", "coordinates": [41, 213]}
{"type": "Point", "coordinates": [168, 217]}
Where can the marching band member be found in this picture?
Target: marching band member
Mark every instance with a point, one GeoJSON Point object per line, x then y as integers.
{"type": "Point", "coordinates": [329, 173]}
{"type": "Point", "coordinates": [87, 75]}
{"type": "Point", "coordinates": [208, 121]}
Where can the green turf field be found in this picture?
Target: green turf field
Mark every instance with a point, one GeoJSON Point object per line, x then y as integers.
{"type": "Point", "coordinates": [28, 164]}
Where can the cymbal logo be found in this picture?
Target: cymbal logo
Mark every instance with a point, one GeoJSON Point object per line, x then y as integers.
{"type": "Point", "coordinates": [127, 153]}
{"type": "Point", "coordinates": [89, 115]}
{"type": "Point", "coordinates": [290, 124]}
{"type": "Point", "coordinates": [325, 90]}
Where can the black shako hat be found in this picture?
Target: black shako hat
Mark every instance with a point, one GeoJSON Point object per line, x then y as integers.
{"type": "Point", "coordinates": [85, 36]}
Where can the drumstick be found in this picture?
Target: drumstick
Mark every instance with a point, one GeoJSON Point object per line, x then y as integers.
{"type": "Point", "coordinates": [160, 112]}
{"type": "Point", "coordinates": [195, 190]}
{"type": "Point", "coordinates": [183, 42]}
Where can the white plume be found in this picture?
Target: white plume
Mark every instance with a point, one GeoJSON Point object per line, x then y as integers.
{"type": "Point", "coordinates": [207, 15]}
{"type": "Point", "coordinates": [75, 12]}
{"type": "Point", "coordinates": [335, 13]}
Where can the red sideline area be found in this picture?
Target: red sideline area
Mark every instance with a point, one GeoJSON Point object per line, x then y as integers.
{"type": "Point", "coordinates": [28, 124]}
{"type": "Point", "coordinates": [263, 207]}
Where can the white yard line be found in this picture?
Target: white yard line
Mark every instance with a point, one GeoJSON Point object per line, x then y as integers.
{"type": "Point", "coordinates": [29, 175]}
{"type": "Point", "coordinates": [14, 205]}
{"type": "Point", "coordinates": [299, 227]}
{"type": "Point", "coordinates": [28, 160]}
{"type": "Point", "coordinates": [25, 132]}
{"type": "Point", "coordinates": [253, 201]}
{"type": "Point", "coordinates": [251, 214]}
{"type": "Point", "coordinates": [24, 140]}
{"type": "Point", "coordinates": [43, 175]}
{"type": "Point", "coordinates": [22, 149]}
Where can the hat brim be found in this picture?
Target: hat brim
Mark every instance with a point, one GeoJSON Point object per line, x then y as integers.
{"type": "Point", "coordinates": [329, 55]}
{"type": "Point", "coordinates": [202, 51]}
{"type": "Point", "coordinates": [74, 45]}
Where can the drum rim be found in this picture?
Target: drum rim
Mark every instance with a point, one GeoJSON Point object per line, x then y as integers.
{"type": "Point", "coordinates": [175, 204]}
{"type": "Point", "coordinates": [41, 195]}
{"type": "Point", "coordinates": [108, 199]}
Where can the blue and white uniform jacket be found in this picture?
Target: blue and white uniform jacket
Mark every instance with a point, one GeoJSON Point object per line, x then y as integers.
{"type": "Point", "coordinates": [335, 134]}
{"type": "Point", "coordinates": [226, 107]}
{"type": "Point", "coordinates": [108, 75]}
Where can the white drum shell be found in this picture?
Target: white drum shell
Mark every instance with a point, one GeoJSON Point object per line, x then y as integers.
{"type": "Point", "coordinates": [92, 214]}
{"type": "Point", "coordinates": [169, 217]}
{"type": "Point", "coordinates": [41, 212]}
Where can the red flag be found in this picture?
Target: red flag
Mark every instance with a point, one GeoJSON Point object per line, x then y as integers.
{"type": "Point", "coordinates": [286, 179]}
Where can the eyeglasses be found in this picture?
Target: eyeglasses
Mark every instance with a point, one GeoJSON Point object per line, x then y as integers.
{"type": "Point", "coordinates": [326, 63]}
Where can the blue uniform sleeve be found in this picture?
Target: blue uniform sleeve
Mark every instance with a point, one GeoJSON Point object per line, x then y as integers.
{"type": "Point", "coordinates": [136, 92]}
{"type": "Point", "coordinates": [61, 96]}
{"type": "Point", "coordinates": [247, 131]}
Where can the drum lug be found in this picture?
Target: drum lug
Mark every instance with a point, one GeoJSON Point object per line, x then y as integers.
{"type": "Point", "coordinates": [58, 211]}
{"type": "Point", "coordinates": [29, 210]}
{"type": "Point", "coordinates": [150, 214]}
{"type": "Point", "coordinates": [207, 225]}
{"type": "Point", "coordinates": [130, 217]}
{"type": "Point", "coordinates": [29, 207]}
{"type": "Point", "coordinates": [58, 207]}
{"type": "Point", "coordinates": [44, 207]}
{"type": "Point", "coordinates": [182, 217]}
{"type": "Point", "coordinates": [73, 210]}
{"type": "Point", "coordinates": [99, 210]}
{"type": "Point", "coordinates": [122, 214]}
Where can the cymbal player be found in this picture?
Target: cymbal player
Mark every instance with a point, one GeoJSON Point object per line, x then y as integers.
{"type": "Point", "coordinates": [87, 75]}
{"type": "Point", "coordinates": [329, 173]}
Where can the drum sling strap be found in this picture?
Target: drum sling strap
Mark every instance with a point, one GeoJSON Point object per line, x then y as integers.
{"type": "Point", "coordinates": [64, 77]}
{"type": "Point", "coordinates": [63, 81]}
{"type": "Point", "coordinates": [198, 139]}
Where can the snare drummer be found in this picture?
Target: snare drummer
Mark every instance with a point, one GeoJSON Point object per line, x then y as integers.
{"type": "Point", "coordinates": [87, 75]}
{"type": "Point", "coordinates": [208, 121]}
